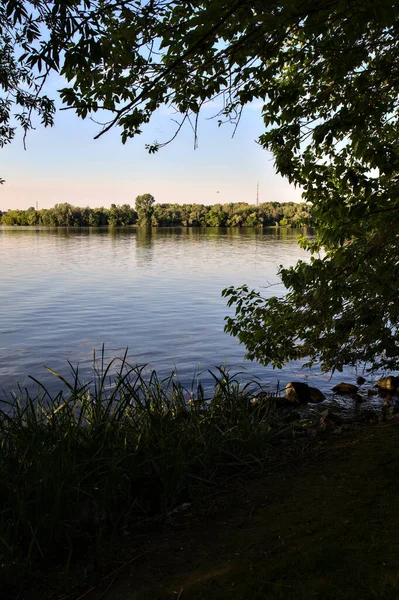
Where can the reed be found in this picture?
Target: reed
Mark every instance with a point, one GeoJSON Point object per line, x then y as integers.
{"type": "Point", "coordinates": [80, 467]}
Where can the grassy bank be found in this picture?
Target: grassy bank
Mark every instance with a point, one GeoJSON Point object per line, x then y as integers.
{"type": "Point", "coordinates": [80, 469]}
{"type": "Point", "coordinates": [322, 526]}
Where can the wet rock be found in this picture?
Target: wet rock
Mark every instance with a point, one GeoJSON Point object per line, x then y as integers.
{"type": "Point", "coordinates": [345, 388]}
{"type": "Point", "coordinates": [372, 393]}
{"type": "Point", "coordinates": [297, 392]}
{"type": "Point", "coordinates": [360, 380]}
{"type": "Point", "coordinates": [357, 397]}
{"type": "Point", "coordinates": [389, 383]}
{"type": "Point", "coordinates": [316, 395]}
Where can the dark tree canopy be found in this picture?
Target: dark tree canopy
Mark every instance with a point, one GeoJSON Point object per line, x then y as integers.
{"type": "Point", "coordinates": [327, 72]}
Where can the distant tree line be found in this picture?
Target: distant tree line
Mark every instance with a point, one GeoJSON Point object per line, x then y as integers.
{"type": "Point", "coordinates": [147, 213]}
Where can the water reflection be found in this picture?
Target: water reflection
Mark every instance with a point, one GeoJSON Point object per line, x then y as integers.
{"type": "Point", "coordinates": [144, 246]}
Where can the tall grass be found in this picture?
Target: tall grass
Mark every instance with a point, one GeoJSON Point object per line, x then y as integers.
{"type": "Point", "coordinates": [80, 467]}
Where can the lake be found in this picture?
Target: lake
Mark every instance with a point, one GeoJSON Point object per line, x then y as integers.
{"type": "Point", "coordinates": [65, 292]}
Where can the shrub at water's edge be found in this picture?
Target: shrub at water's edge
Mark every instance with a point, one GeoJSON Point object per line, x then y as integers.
{"type": "Point", "coordinates": [79, 468]}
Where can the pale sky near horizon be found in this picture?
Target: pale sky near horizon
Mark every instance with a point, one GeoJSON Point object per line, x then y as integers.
{"type": "Point", "coordinates": [65, 164]}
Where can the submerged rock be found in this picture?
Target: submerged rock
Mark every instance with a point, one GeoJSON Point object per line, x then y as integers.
{"type": "Point", "coordinates": [345, 388]}
{"type": "Point", "coordinates": [316, 395]}
{"type": "Point", "coordinates": [297, 392]}
{"type": "Point", "coordinates": [389, 383]}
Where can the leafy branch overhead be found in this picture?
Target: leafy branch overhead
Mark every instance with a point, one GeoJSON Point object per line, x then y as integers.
{"type": "Point", "coordinates": [327, 74]}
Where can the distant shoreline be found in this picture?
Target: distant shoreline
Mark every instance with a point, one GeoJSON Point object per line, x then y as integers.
{"type": "Point", "coordinates": [241, 214]}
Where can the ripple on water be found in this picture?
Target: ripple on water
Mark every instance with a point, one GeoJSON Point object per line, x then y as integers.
{"type": "Point", "coordinates": [67, 292]}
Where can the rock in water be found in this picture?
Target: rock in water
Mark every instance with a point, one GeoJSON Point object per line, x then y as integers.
{"type": "Point", "coordinates": [297, 392]}
{"type": "Point", "coordinates": [390, 383]}
{"type": "Point", "coordinates": [360, 380]}
{"type": "Point", "coordinates": [316, 395]}
{"type": "Point", "coordinates": [345, 388]}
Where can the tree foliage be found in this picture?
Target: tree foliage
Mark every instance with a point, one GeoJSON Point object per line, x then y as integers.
{"type": "Point", "coordinates": [239, 214]}
{"type": "Point", "coordinates": [327, 73]}
{"type": "Point", "coordinates": [21, 86]}
{"type": "Point", "coordinates": [144, 208]}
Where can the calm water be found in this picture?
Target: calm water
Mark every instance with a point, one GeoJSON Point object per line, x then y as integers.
{"type": "Point", "coordinates": [65, 292]}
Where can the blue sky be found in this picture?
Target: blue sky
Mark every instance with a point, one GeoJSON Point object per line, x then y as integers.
{"type": "Point", "coordinates": [65, 164]}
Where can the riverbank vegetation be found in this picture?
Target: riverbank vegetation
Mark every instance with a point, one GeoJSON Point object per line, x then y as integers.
{"type": "Point", "coordinates": [129, 466]}
{"type": "Point", "coordinates": [239, 214]}
{"type": "Point", "coordinates": [82, 469]}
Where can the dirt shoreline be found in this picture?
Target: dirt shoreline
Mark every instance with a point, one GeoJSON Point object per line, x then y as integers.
{"type": "Point", "coordinates": [320, 521]}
